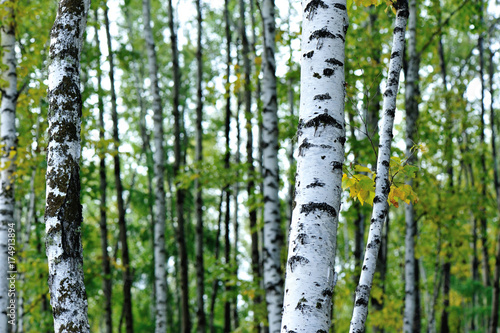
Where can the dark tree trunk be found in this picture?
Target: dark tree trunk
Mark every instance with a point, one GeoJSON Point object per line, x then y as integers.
{"type": "Point", "coordinates": [106, 266]}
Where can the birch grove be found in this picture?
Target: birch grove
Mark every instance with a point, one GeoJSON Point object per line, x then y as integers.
{"type": "Point", "coordinates": [382, 183]}
{"type": "Point", "coordinates": [8, 153]}
{"type": "Point", "coordinates": [310, 271]}
{"type": "Point", "coordinates": [63, 211]}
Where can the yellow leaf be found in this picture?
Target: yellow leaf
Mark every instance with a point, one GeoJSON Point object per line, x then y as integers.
{"type": "Point", "coordinates": [12, 153]}
{"type": "Point", "coordinates": [360, 168]}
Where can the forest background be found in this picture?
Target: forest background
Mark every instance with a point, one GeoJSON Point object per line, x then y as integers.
{"type": "Point", "coordinates": [454, 155]}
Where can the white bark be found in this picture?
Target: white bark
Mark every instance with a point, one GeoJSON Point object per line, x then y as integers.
{"type": "Point", "coordinates": [382, 185]}
{"type": "Point", "coordinates": [7, 156]}
{"type": "Point", "coordinates": [63, 213]}
{"type": "Point", "coordinates": [310, 276]}
{"type": "Point", "coordinates": [411, 92]}
{"type": "Point", "coordinates": [159, 180]}
{"type": "Point", "coordinates": [273, 236]}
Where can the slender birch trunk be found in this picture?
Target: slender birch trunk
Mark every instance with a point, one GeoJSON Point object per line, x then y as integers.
{"type": "Point", "coordinates": [273, 236]}
{"type": "Point", "coordinates": [180, 193]}
{"type": "Point", "coordinates": [127, 276]}
{"type": "Point", "coordinates": [227, 155]}
{"type": "Point", "coordinates": [411, 320]}
{"type": "Point", "coordinates": [496, 183]}
{"type": "Point", "coordinates": [8, 153]}
{"type": "Point", "coordinates": [63, 211]}
{"type": "Point", "coordinates": [310, 276]}
{"type": "Point", "coordinates": [448, 152]}
{"type": "Point", "coordinates": [159, 178]}
{"type": "Point", "coordinates": [382, 185]}
{"type": "Point", "coordinates": [200, 267]}
{"type": "Point", "coordinates": [107, 287]}
{"type": "Point", "coordinates": [484, 173]}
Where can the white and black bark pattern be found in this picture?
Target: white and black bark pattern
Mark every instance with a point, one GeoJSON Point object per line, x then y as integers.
{"type": "Point", "coordinates": [159, 178]}
{"type": "Point", "coordinates": [273, 236]}
{"type": "Point", "coordinates": [382, 185]}
{"type": "Point", "coordinates": [8, 139]}
{"type": "Point", "coordinates": [63, 211]}
{"type": "Point", "coordinates": [411, 95]}
{"type": "Point", "coordinates": [310, 275]}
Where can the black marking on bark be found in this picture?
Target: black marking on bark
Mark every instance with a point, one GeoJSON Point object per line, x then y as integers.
{"type": "Point", "coordinates": [296, 260]}
{"type": "Point", "coordinates": [302, 238]}
{"type": "Point", "coordinates": [305, 145]}
{"type": "Point", "coordinates": [319, 306]}
{"type": "Point", "coordinates": [322, 33]}
{"type": "Point", "coordinates": [398, 30]}
{"type": "Point", "coordinates": [404, 13]}
{"type": "Point", "coordinates": [391, 112]}
{"type": "Point", "coordinates": [365, 267]}
{"type": "Point", "coordinates": [342, 140]}
{"type": "Point", "coordinates": [323, 157]}
{"type": "Point", "coordinates": [327, 293]}
{"type": "Point", "coordinates": [395, 54]}
{"type": "Point", "coordinates": [294, 204]}
{"type": "Point", "coordinates": [312, 8]}
{"type": "Point", "coordinates": [323, 119]}
{"type": "Point", "coordinates": [341, 7]}
{"type": "Point", "coordinates": [388, 93]}
{"type": "Point", "coordinates": [377, 199]}
{"type": "Point", "coordinates": [385, 163]}
{"type": "Point", "coordinates": [315, 206]}
{"type": "Point", "coordinates": [316, 75]}
{"type": "Point", "coordinates": [334, 61]}
{"type": "Point", "coordinates": [328, 72]}
{"type": "Point", "coordinates": [336, 165]}
{"type": "Point", "coordinates": [308, 54]}
{"type": "Point", "coordinates": [373, 220]}
{"type": "Point", "coordinates": [316, 183]}
{"type": "Point", "coordinates": [322, 97]}
{"type": "Point", "coordinates": [362, 302]}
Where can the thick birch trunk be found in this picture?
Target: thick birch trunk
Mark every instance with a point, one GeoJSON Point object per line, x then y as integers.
{"type": "Point", "coordinates": [382, 185]}
{"type": "Point", "coordinates": [200, 267]}
{"type": "Point", "coordinates": [411, 321]}
{"type": "Point", "coordinates": [7, 156]}
{"type": "Point", "coordinates": [63, 211]}
{"type": "Point", "coordinates": [273, 236]}
{"type": "Point", "coordinates": [310, 276]}
{"type": "Point", "coordinates": [159, 178]}
{"type": "Point", "coordinates": [107, 287]}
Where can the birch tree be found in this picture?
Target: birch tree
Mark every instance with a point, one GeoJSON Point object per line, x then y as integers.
{"type": "Point", "coordinates": [200, 267]}
{"type": "Point", "coordinates": [63, 211]}
{"type": "Point", "coordinates": [159, 180]}
{"type": "Point", "coordinates": [382, 184]}
{"type": "Point", "coordinates": [107, 287]}
{"type": "Point", "coordinates": [8, 141]}
{"type": "Point", "coordinates": [410, 321]}
{"type": "Point", "coordinates": [273, 237]}
{"type": "Point", "coordinates": [310, 271]}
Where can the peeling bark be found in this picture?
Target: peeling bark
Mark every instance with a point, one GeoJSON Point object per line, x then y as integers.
{"type": "Point", "coordinates": [310, 276]}
{"type": "Point", "coordinates": [63, 211]}
{"type": "Point", "coordinates": [382, 185]}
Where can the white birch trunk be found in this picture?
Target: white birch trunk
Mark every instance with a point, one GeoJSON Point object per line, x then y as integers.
{"type": "Point", "coordinates": [159, 180]}
{"type": "Point", "coordinates": [63, 212]}
{"type": "Point", "coordinates": [7, 157]}
{"type": "Point", "coordinates": [411, 92]}
{"type": "Point", "coordinates": [310, 276]}
{"type": "Point", "coordinates": [382, 185]}
{"type": "Point", "coordinates": [273, 236]}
